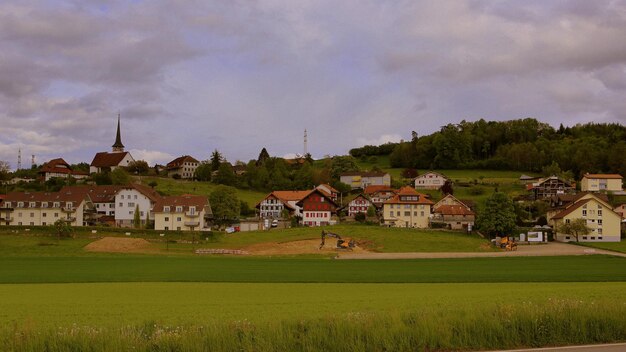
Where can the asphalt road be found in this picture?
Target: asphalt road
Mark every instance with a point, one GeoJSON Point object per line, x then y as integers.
{"type": "Point", "coordinates": [615, 347]}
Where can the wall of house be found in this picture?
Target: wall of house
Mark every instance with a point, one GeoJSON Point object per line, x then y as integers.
{"type": "Point", "coordinates": [599, 184]}
{"type": "Point", "coordinates": [358, 205]}
{"type": "Point", "coordinates": [406, 215]}
{"type": "Point", "coordinates": [429, 181]}
{"type": "Point", "coordinates": [185, 171]}
{"type": "Point", "coordinates": [317, 210]}
{"type": "Point", "coordinates": [271, 208]}
{"type": "Point", "coordinates": [26, 216]}
{"type": "Point", "coordinates": [178, 221]}
{"type": "Point", "coordinates": [125, 202]}
{"type": "Point", "coordinates": [609, 228]}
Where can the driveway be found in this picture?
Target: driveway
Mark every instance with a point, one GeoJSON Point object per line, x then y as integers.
{"type": "Point", "coordinates": [533, 250]}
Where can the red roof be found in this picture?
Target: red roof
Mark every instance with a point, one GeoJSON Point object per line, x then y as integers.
{"type": "Point", "coordinates": [453, 210]}
{"type": "Point", "coordinates": [330, 188]}
{"type": "Point", "coordinates": [407, 191]}
{"type": "Point", "coordinates": [290, 195]}
{"type": "Point", "coordinates": [63, 196]}
{"type": "Point", "coordinates": [98, 194]}
{"type": "Point", "coordinates": [323, 194]}
{"type": "Point", "coordinates": [377, 188]}
{"type": "Point", "coordinates": [105, 159]}
{"type": "Point", "coordinates": [178, 162]}
{"type": "Point", "coordinates": [571, 209]}
{"type": "Point", "coordinates": [59, 166]}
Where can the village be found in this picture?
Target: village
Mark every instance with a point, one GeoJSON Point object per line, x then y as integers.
{"type": "Point", "coordinates": [426, 202]}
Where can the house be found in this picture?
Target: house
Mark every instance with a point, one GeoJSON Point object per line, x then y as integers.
{"type": "Point", "coordinates": [273, 205]}
{"type": "Point", "coordinates": [601, 182]}
{"type": "Point", "coordinates": [182, 213]}
{"type": "Point", "coordinates": [559, 202]}
{"type": "Point", "coordinates": [430, 180]}
{"type": "Point", "coordinates": [45, 208]}
{"type": "Point", "coordinates": [361, 180]}
{"type": "Point", "coordinates": [452, 212]}
{"type": "Point", "coordinates": [184, 166]}
{"type": "Point", "coordinates": [550, 186]}
{"type": "Point", "coordinates": [603, 222]}
{"type": "Point", "coordinates": [334, 194]}
{"type": "Point", "coordinates": [360, 204]}
{"type": "Point", "coordinates": [132, 198]}
{"type": "Point", "coordinates": [105, 162]}
{"type": "Point", "coordinates": [379, 194]}
{"type": "Point", "coordinates": [102, 197]}
{"type": "Point", "coordinates": [59, 168]}
{"type": "Point", "coordinates": [240, 169]}
{"type": "Point", "coordinates": [317, 208]}
{"type": "Point", "coordinates": [407, 209]}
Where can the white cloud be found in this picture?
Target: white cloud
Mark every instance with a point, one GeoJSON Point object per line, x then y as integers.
{"type": "Point", "coordinates": [385, 138]}
{"type": "Point", "coordinates": [152, 157]}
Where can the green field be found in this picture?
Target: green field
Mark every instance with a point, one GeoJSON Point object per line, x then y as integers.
{"type": "Point", "coordinates": [612, 246]}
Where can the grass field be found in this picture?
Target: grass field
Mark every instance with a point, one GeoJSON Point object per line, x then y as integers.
{"type": "Point", "coordinates": [128, 268]}
{"type": "Point", "coordinates": [612, 246]}
{"type": "Point", "coordinates": [308, 317]}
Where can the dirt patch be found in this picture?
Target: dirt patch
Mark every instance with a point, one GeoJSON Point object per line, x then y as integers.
{"type": "Point", "coordinates": [298, 247]}
{"type": "Point", "coordinates": [120, 245]}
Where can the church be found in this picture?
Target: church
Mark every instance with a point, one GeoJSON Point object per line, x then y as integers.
{"type": "Point", "coordinates": [105, 161]}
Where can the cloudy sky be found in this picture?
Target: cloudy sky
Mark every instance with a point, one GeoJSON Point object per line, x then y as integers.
{"type": "Point", "coordinates": [192, 76]}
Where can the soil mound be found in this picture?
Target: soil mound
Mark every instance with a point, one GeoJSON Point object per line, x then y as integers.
{"type": "Point", "coordinates": [119, 245]}
{"type": "Point", "coordinates": [298, 247]}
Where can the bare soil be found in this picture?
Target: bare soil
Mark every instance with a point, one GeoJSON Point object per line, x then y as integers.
{"type": "Point", "coordinates": [120, 245]}
{"type": "Point", "coordinates": [299, 247]}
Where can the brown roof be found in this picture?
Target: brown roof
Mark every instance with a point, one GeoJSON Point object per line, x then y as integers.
{"type": "Point", "coordinates": [105, 159]}
{"type": "Point", "coordinates": [59, 166]}
{"type": "Point", "coordinates": [605, 176]}
{"type": "Point", "coordinates": [178, 162]}
{"type": "Point", "coordinates": [377, 188]}
{"type": "Point", "coordinates": [98, 194]}
{"type": "Point", "coordinates": [431, 172]}
{"type": "Point", "coordinates": [186, 201]}
{"type": "Point", "coordinates": [330, 188]}
{"type": "Point", "coordinates": [290, 195]}
{"type": "Point", "coordinates": [364, 173]}
{"type": "Point", "coordinates": [322, 193]}
{"type": "Point", "coordinates": [409, 191]}
{"type": "Point", "coordinates": [571, 209]}
{"type": "Point", "coordinates": [453, 210]}
{"type": "Point", "coordinates": [146, 191]}
{"type": "Point", "coordinates": [63, 197]}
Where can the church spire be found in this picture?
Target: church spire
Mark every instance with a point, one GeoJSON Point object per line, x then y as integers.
{"type": "Point", "coordinates": [118, 146]}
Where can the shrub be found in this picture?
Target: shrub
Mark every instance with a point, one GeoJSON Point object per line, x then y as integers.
{"type": "Point", "coordinates": [360, 217]}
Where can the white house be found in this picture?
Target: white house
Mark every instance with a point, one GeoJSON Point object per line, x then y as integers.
{"type": "Point", "coordinates": [430, 180]}
{"type": "Point", "coordinates": [129, 198]}
{"type": "Point", "coordinates": [105, 161]}
{"type": "Point", "coordinates": [184, 166]}
{"type": "Point", "coordinates": [363, 179]}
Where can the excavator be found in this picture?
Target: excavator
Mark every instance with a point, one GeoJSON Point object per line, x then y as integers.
{"type": "Point", "coordinates": [341, 243]}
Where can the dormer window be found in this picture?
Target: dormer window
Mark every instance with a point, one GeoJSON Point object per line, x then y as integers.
{"type": "Point", "coordinates": [32, 204]}
{"type": "Point", "coordinates": [166, 209]}
{"type": "Point", "coordinates": [192, 210]}
{"type": "Point", "coordinates": [20, 204]}
{"type": "Point", "coordinates": [69, 205]}
{"type": "Point", "coordinates": [44, 204]}
{"type": "Point", "coordinates": [56, 205]}
{"type": "Point", "coordinates": [7, 205]}
{"type": "Point", "coordinates": [179, 209]}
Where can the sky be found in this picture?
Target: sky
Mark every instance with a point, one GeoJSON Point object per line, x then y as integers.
{"type": "Point", "coordinates": [189, 77]}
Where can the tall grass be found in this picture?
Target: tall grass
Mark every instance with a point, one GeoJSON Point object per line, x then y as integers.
{"type": "Point", "coordinates": [557, 322]}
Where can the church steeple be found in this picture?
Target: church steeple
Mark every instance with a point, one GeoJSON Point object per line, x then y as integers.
{"type": "Point", "coordinates": [118, 147]}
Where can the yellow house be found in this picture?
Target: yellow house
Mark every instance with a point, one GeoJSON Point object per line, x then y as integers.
{"type": "Point", "coordinates": [407, 209]}
{"type": "Point", "coordinates": [601, 182]}
{"type": "Point", "coordinates": [44, 208]}
{"type": "Point", "coordinates": [603, 222]}
{"type": "Point", "coordinates": [182, 213]}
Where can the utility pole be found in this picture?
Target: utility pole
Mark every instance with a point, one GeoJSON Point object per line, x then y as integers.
{"type": "Point", "coordinates": [306, 149]}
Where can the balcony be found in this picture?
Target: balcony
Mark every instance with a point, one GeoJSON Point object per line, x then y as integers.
{"type": "Point", "coordinates": [68, 210]}
{"type": "Point", "coordinates": [69, 219]}
{"type": "Point", "coordinates": [192, 215]}
{"type": "Point", "coordinates": [192, 223]}
{"type": "Point", "coordinates": [6, 218]}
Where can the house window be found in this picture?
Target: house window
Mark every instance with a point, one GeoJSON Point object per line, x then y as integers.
{"type": "Point", "coordinates": [56, 205]}
{"type": "Point", "coordinates": [43, 215]}
{"type": "Point", "coordinates": [178, 219]}
{"type": "Point", "coordinates": [122, 196]}
{"type": "Point", "coordinates": [166, 228]}
{"type": "Point", "coordinates": [584, 212]}
{"type": "Point", "coordinates": [600, 212]}
{"type": "Point", "coordinates": [599, 232]}
{"type": "Point", "coordinates": [131, 204]}
{"type": "Point", "coordinates": [121, 204]}
{"type": "Point", "coordinates": [20, 204]}
{"type": "Point", "coordinates": [599, 222]}
{"type": "Point", "coordinates": [56, 215]}
{"type": "Point", "coordinates": [32, 215]}
{"type": "Point", "coordinates": [8, 205]}
{"type": "Point", "coordinates": [584, 237]}
{"type": "Point", "coordinates": [135, 196]}
{"type": "Point", "coordinates": [567, 221]}
{"type": "Point", "coordinates": [166, 209]}
{"type": "Point", "coordinates": [179, 209]}
{"type": "Point", "coordinates": [44, 204]}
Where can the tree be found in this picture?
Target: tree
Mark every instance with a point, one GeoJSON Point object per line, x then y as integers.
{"type": "Point", "coordinates": [447, 188]}
{"type": "Point", "coordinates": [119, 177]}
{"type": "Point", "coordinates": [263, 156]}
{"type": "Point", "coordinates": [577, 227]}
{"type": "Point", "coordinates": [360, 217]}
{"type": "Point", "coordinates": [203, 171]}
{"type": "Point", "coordinates": [62, 228]}
{"type": "Point", "coordinates": [5, 170]}
{"type": "Point", "coordinates": [225, 204]}
{"type": "Point", "coordinates": [371, 211]}
{"type": "Point", "coordinates": [303, 179]}
{"type": "Point", "coordinates": [551, 170]}
{"type": "Point", "coordinates": [139, 167]}
{"type": "Point", "coordinates": [216, 160]}
{"type": "Point", "coordinates": [103, 178]}
{"type": "Point", "coordinates": [410, 173]}
{"type": "Point", "coordinates": [136, 217]}
{"type": "Point", "coordinates": [152, 184]}
{"type": "Point", "coordinates": [225, 175]}
{"type": "Point", "coordinates": [498, 216]}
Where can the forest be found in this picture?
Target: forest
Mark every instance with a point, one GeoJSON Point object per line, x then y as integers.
{"type": "Point", "coordinates": [521, 145]}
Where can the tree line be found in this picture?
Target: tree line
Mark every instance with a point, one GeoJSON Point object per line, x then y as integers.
{"type": "Point", "coordinates": [521, 145]}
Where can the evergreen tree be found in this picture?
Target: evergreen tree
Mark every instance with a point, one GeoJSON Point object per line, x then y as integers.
{"type": "Point", "coordinates": [216, 160]}
{"type": "Point", "coordinates": [137, 218]}
{"type": "Point", "coordinates": [263, 156]}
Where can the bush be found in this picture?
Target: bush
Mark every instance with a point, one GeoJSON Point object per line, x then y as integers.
{"type": "Point", "coordinates": [360, 217]}
{"type": "Point", "coordinates": [476, 191]}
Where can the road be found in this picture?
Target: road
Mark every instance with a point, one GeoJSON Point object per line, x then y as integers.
{"type": "Point", "coordinates": [615, 347]}
{"type": "Point", "coordinates": [535, 250]}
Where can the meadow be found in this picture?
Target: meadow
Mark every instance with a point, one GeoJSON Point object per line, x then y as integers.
{"type": "Point", "coordinates": [308, 317]}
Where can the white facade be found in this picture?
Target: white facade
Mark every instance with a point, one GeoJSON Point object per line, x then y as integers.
{"type": "Point", "coordinates": [358, 205]}
{"type": "Point", "coordinates": [317, 218]}
{"type": "Point", "coordinates": [124, 162]}
{"type": "Point", "coordinates": [430, 180]}
{"type": "Point", "coordinates": [126, 201]}
{"type": "Point", "coordinates": [105, 208]}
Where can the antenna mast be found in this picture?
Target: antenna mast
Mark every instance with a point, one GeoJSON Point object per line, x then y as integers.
{"type": "Point", "coordinates": [32, 161]}
{"type": "Point", "coordinates": [19, 158]}
{"type": "Point", "coordinates": [306, 149]}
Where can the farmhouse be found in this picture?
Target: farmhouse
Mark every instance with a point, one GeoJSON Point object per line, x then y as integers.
{"type": "Point", "coordinates": [360, 204]}
{"type": "Point", "coordinates": [379, 194]}
{"type": "Point", "coordinates": [455, 214]}
{"type": "Point", "coordinates": [273, 205]}
{"type": "Point", "coordinates": [59, 168]}
{"type": "Point", "coordinates": [361, 180]}
{"type": "Point", "coordinates": [603, 222]}
{"type": "Point", "coordinates": [182, 213]}
{"type": "Point", "coordinates": [550, 186]}
{"type": "Point", "coordinates": [601, 182]}
{"type": "Point", "coordinates": [328, 189]}
{"type": "Point", "coordinates": [430, 180]}
{"type": "Point", "coordinates": [407, 209]}
{"type": "Point", "coordinates": [317, 208]}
